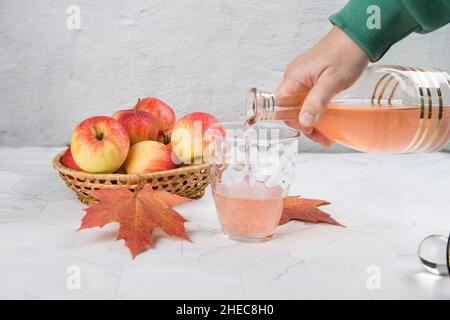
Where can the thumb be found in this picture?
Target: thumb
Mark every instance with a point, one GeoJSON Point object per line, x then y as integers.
{"type": "Point", "coordinates": [317, 100]}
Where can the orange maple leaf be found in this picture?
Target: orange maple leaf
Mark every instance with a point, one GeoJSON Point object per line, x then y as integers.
{"type": "Point", "coordinates": [137, 213]}
{"type": "Point", "coordinates": [297, 208]}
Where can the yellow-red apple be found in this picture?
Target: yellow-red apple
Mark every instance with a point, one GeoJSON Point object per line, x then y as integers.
{"type": "Point", "coordinates": [149, 156]}
{"type": "Point", "coordinates": [187, 137]}
{"type": "Point", "coordinates": [141, 126]}
{"type": "Point", "coordinates": [68, 161]}
{"type": "Point", "coordinates": [100, 145]}
{"type": "Point", "coordinates": [163, 114]}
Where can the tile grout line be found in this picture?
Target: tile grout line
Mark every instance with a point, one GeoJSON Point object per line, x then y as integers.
{"type": "Point", "coordinates": [116, 290]}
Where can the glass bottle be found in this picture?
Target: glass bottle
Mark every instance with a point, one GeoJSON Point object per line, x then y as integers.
{"type": "Point", "coordinates": [390, 109]}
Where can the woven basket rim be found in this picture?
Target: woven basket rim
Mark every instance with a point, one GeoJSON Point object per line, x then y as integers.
{"type": "Point", "coordinates": [56, 163]}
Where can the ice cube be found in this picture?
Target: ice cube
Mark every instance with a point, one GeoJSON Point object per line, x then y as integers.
{"type": "Point", "coordinates": [250, 180]}
{"type": "Point", "coordinates": [271, 181]}
{"type": "Point", "coordinates": [239, 166]}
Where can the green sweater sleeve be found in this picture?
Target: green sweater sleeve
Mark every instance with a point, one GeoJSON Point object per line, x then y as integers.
{"type": "Point", "coordinates": [375, 25]}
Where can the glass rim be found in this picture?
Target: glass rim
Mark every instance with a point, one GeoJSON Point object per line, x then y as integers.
{"type": "Point", "coordinates": [295, 132]}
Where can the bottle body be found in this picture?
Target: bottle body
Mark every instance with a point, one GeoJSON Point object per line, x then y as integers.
{"type": "Point", "coordinates": [391, 109]}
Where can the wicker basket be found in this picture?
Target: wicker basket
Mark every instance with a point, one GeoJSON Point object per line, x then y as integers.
{"type": "Point", "coordinates": [189, 181]}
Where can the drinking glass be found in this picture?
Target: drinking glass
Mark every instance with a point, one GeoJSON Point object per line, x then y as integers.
{"type": "Point", "coordinates": [251, 170]}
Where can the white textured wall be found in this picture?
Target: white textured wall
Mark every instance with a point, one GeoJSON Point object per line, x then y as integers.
{"type": "Point", "coordinates": [197, 55]}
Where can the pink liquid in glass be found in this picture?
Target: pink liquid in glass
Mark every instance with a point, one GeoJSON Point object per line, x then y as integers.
{"type": "Point", "coordinates": [248, 212]}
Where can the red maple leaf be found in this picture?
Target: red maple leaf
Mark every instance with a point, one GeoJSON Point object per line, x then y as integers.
{"type": "Point", "coordinates": [297, 208]}
{"type": "Point", "coordinates": [138, 214]}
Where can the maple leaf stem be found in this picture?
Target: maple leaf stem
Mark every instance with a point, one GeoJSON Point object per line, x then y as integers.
{"type": "Point", "coordinates": [141, 184]}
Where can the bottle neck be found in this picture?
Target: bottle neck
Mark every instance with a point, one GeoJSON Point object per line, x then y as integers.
{"type": "Point", "coordinates": [264, 105]}
{"type": "Point", "coordinates": [260, 105]}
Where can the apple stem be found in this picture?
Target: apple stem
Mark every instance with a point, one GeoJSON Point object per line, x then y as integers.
{"type": "Point", "coordinates": [166, 139]}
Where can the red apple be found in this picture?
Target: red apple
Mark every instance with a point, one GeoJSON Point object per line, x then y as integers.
{"type": "Point", "coordinates": [100, 145]}
{"type": "Point", "coordinates": [149, 156]}
{"type": "Point", "coordinates": [140, 126]}
{"type": "Point", "coordinates": [163, 114]}
{"type": "Point", "coordinates": [68, 161]}
{"type": "Point", "coordinates": [187, 137]}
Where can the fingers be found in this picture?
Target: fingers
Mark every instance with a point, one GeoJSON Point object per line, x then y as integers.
{"type": "Point", "coordinates": [295, 124]}
{"type": "Point", "coordinates": [319, 137]}
{"type": "Point", "coordinates": [293, 87]}
{"type": "Point", "coordinates": [312, 134]}
{"type": "Point", "coordinates": [317, 100]}
{"type": "Point", "coordinates": [294, 78]}
{"type": "Point", "coordinates": [290, 87]}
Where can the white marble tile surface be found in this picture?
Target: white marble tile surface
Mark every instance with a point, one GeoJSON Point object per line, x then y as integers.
{"type": "Point", "coordinates": [388, 203]}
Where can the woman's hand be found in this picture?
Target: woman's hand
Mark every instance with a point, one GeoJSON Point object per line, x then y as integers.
{"type": "Point", "coordinates": [331, 66]}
